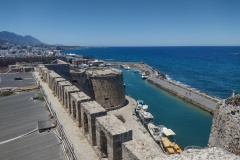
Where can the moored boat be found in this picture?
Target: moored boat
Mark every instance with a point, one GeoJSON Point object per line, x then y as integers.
{"type": "Point", "coordinates": [126, 67]}
{"type": "Point", "coordinates": [139, 105]}
{"type": "Point", "coordinates": [146, 117]}
{"type": "Point", "coordinates": [155, 132]}
{"type": "Point", "coordinates": [145, 107]}
{"type": "Point", "coordinates": [144, 75]}
{"type": "Point", "coordinates": [168, 142]}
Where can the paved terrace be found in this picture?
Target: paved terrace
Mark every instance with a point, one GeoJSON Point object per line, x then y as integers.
{"type": "Point", "coordinates": [82, 148]}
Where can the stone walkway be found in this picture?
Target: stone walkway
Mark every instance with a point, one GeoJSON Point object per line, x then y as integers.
{"type": "Point", "coordinates": [140, 133]}
{"type": "Point", "coordinates": [82, 148]}
{"type": "Point", "coordinates": [183, 92]}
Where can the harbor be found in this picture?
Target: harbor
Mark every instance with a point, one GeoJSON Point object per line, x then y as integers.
{"type": "Point", "coordinates": [170, 111]}
{"type": "Point", "coordinates": [201, 100]}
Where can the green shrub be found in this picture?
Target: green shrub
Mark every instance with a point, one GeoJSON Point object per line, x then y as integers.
{"type": "Point", "coordinates": [6, 93]}
{"type": "Point", "coordinates": [40, 97]}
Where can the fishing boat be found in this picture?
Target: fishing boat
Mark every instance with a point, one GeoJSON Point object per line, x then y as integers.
{"type": "Point", "coordinates": [146, 117]}
{"type": "Point", "coordinates": [168, 141]}
{"type": "Point", "coordinates": [155, 132]}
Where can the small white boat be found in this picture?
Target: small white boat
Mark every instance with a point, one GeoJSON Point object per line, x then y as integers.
{"type": "Point", "coordinates": [155, 132]}
{"type": "Point", "coordinates": [146, 117]}
{"type": "Point", "coordinates": [139, 105]}
{"type": "Point", "coordinates": [144, 76]}
{"type": "Point", "coordinates": [145, 107]}
{"type": "Point", "coordinates": [126, 67]}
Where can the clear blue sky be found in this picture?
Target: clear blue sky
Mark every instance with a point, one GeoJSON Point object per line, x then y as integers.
{"type": "Point", "coordinates": [124, 22]}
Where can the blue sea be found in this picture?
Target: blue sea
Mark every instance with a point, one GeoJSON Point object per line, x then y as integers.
{"type": "Point", "coordinates": [213, 70]}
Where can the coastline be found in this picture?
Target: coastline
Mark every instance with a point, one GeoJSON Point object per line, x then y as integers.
{"type": "Point", "coordinates": [195, 97]}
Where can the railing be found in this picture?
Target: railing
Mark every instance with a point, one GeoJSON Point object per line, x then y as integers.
{"type": "Point", "coordinates": [67, 147]}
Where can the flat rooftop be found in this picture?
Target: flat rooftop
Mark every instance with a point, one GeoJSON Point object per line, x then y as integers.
{"type": "Point", "coordinates": [71, 88]}
{"type": "Point", "coordinates": [103, 72]}
{"type": "Point", "coordinates": [16, 80]}
{"type": "Point", "coordinates": [65, 83]}
{"type": "Point", "coordinates": [93, 107]}
{"type": "Point", "coordinates": [19, 116]}
{"type": "Point", "coordinates": [54, 74]}
{"type": "Point", "coordinates": [112, 124]}
{"type": "Point", "coordinates": [80, 96]}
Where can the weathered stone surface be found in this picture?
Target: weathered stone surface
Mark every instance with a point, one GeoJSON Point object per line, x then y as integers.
{"type": "Point", "coordinates": [80, 80]}
{"type": "Point", "coordinates": [139, 150]}
{"type": "Point", "coordinates": [76, 99]}
{"type": "Point", "coordinates": [61, 95]}
{"type": "Point", "coordinates": [213, 153]}
{"type": "Point", "coordinates": [55, 85]}
{"type": "Point", "coordinates": [111, 133]}
{"type": "Point", "coordinates": [52, 75]}
{"type": "Point", "coordinates": [235, 101]}
{"type": "Point", "coordinates": [62, 69]}
{"type": "Point", "coordinates": [103, 85]}
{"type": "Point", "coordinates": [90, 111]}
{"type": "Point", "coordinates": [67, 91]}
{"type": "Point", "coordinates": [107, 87]}
{"type": "Point", "coordinates": [225, 131]}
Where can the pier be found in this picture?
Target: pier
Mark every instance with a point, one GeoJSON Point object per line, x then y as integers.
{"type": "Point", "coordinates": [202, 100]}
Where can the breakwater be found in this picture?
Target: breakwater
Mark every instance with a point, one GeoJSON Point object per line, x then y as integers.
{"type": "Point", "coordinates": [202, 100]}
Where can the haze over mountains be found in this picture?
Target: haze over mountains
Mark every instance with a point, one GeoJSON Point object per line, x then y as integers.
{"type": "Point", "coordinates": [9, 37]}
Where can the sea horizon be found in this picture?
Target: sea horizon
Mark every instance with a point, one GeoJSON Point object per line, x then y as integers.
{"type": "Point", "coordinates": [207, 74]}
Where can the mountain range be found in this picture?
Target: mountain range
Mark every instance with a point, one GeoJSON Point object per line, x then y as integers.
{"type": "Point", "coordinates": [9, 37]}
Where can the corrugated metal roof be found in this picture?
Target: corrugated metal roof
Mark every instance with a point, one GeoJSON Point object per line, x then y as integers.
{"type": "Point", "coordinates": [7, 80]}
{"type": "Point", "coordinates": [18, 116]}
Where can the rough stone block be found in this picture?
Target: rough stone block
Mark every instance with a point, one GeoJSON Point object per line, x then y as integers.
{"type": "Point", "coordinates": [67, 91]}
{"type": "Point", "coordinates": [76, 99]}
{"type": "Point", "coordinates": [90, 111]}
{"type": "Point", "coordinates": [112, 130]}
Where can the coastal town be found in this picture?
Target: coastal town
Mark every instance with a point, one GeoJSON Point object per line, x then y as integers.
{"type": "Point", "coordinates": [91, 116]}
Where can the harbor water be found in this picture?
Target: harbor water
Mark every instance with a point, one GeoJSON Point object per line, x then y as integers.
{"type": "Point", "coordinates": [191, 124]}
{"type": "Point", "coordinates": [213, 70]}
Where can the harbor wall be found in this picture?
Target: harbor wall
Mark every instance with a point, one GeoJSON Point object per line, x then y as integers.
{"type": "Point", "coordinates": [187, 99]}
{"type": "Point", "coordinates": [203, 101]}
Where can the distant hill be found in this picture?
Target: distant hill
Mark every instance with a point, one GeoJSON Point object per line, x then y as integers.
{"type": "Point", "coordinates": [18, 39]}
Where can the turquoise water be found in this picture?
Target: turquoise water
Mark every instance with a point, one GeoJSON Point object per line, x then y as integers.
{"type": "Point", "coordinates": [191, 124]}
{"type": "Point", "coordinates": [213, 70]}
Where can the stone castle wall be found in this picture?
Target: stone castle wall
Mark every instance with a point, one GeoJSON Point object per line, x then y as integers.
{"type": "Point", "coordinates": [6, 61]}
{"type": "Point", "coordinates": [225, 131]}
{"type": "Point", "coordinates": [108, 91]}
{"type": "Point", "coordinates": [61, 69]}
{"type": "Point", "coordinates": [113, 140]}
{"type": "Point", "coordinates": [80, 80]}
{"type": "Point", "coordinates": [104, 86]}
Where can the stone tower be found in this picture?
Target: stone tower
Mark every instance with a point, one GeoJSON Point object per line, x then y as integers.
{"type": "Point", "coordinates": [104, 85]}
